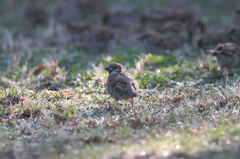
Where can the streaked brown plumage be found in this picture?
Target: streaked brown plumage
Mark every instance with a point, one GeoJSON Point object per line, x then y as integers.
{"type": "Point", "coordinates": [120, 84]}
{"type": "Point", "coordinates": [228, 55]}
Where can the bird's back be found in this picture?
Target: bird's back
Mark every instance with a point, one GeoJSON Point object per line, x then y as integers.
{"type": "Point", "coordinates": [122, 86]}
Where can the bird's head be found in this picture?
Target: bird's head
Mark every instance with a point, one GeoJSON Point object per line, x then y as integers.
{"type": "Point", "coordinates": [227, 49]}
{"type": "Point", "coordinates": [113, 68]}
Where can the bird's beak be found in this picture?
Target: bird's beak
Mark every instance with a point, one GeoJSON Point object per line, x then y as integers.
{"type": "Point", "coordinates": [108, 68]}
{"type": "Point", "coordinates": [213, 52]}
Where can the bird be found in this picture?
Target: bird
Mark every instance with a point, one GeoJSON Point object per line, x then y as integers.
{"type": "Point", "coordinates": [120, 84]}
{"type": "Point", "coordinates": [228, 55]}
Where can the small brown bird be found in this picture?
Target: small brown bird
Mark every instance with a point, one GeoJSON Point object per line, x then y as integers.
{"type": "Point", "coordinates": [120, 84]}
{"type": "Point", "coordinates": [228, 55]}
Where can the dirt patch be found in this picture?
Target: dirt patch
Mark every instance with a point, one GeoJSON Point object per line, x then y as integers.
{"type": "Point", "coordinates": [10, 100]}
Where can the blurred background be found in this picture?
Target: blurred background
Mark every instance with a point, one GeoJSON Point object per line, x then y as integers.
{"type": "Point", "coordinates": [84, 23]}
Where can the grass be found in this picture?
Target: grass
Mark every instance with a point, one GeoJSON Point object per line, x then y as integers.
{"type": "Point", "coordinates": [53, 101]}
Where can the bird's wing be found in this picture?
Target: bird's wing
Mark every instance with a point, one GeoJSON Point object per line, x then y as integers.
{"type": "Point", "coordinates": [237, 48]}
{"type": "Point", "coordinates": [125, 84]}
{"type": "Point", "coordinates": [227, 52]}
